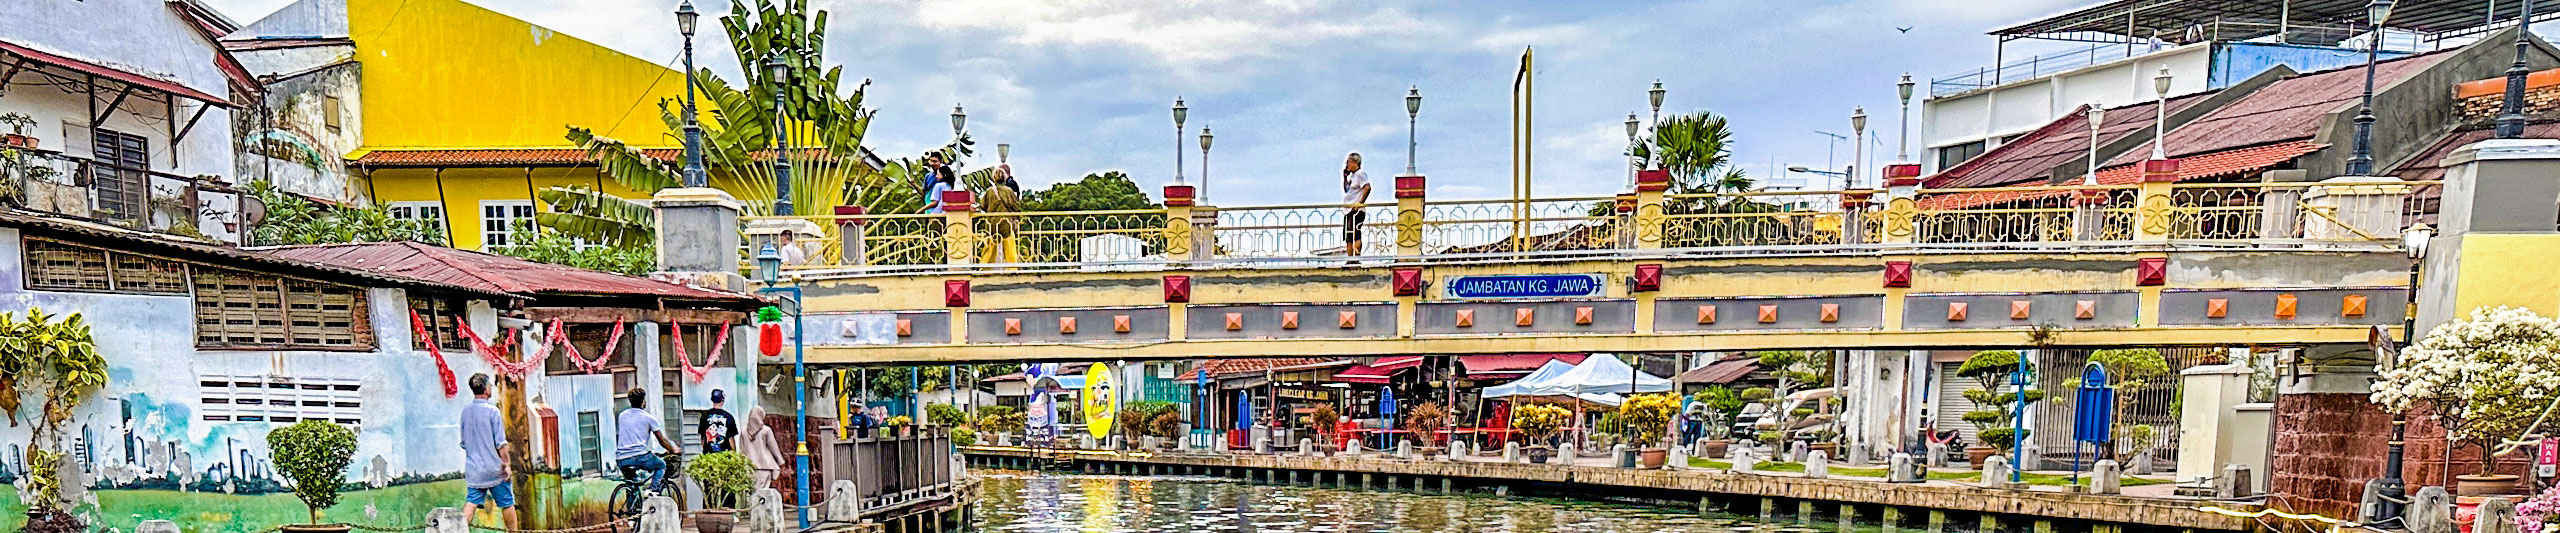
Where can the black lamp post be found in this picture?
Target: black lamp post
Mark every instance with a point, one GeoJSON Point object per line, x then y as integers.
{"type": "Point", "coordinates": [1412, 117]}
{"type": "Point", "coordinates": [777, 73]}
{"type": "Point", "coordinates": [1180, 113]}
{"type": "Point", "coordinates": [1204, 157]}
{"type": "Point", "coordinates": [693, 174]}
{"type": "Point", "coordinates": [2511, 114]}
{"type": "Point", "coordinates": [2361, 162]}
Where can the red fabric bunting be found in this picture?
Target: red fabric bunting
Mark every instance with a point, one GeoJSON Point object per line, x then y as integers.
{"type": "Point", "coordinates": [442, 371]}
{"type": "Point", "coordinates": [685, 358]}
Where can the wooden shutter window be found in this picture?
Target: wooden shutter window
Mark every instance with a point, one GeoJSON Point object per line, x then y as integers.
{"type": "Point", "coordinates": [53, 265]}
{"type": "Point", "coordinates": [242, 310]}
{"type": "Point", "coordinates": [153, 275]}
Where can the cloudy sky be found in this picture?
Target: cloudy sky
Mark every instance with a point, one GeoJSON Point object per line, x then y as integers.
{"type": "Point", "coordinates": [1289, 86]}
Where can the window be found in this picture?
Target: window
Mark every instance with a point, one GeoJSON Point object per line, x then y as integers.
{"type": "Point", "coordinates": [243, 310]}
{"type": "Point", "coordinates": [591, 441]}
{"type": "Point", "coordinates": [428, 211]}
{"type": "Point", "coordinates": [330, 113]}
{"type": "Point", "coordinates": [498, 220]}
{"type": "Point", "coordinates": [122, 174]}
{"type": "Point", "coordinates": [590, 338]}
{"type": "Point", "coordinates": [54, 265]}
{"type": "Point", "coordinates": [441, 316]}
{"type": "Point", "coordinates": [1950, 156]}
{"type": "Point", "coordinates": [281, 400]}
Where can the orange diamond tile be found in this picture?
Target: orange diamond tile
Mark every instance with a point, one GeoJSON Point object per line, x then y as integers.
{"type": "Point", "coordinates": [1830, 313]}
{"type": "Point", "coordinates": [1119, 323]}
{"type": "Point", "coordinates": [1466, 318]}
{"type": "Point", "coordinates": [1235, 321]}
{"type": "Point", "coordinates": [2084, 309]}
{"type": "Point", "coordinates": [1582, 315]}
{"type": "Point", "coordinates": [1013, 326]}
{"type": "Point", "coordinates": [1768, 314]}
{"type": "Point", "coordinates": [2217, 308]}
{"type": "Point", "coordinates": [1288, 320]}
{"type": "Point", "coordinates": [1348, 320]}
{"type": "Point", "coordinates": [2020, 309]}
{"type": "Point", "coordinates": [1066, 325]}
{"type": "Point", "coordinates": [906, 327]}
{"type": "Point", "coordinates": [2287, 305]}
{"type": "Point", "coordinates": [1956, 311]}
{"type": "Point", "coordinates": [1524, 317]}
{"type": "Point", "coordinates": [1706, 314]}
{"type": "Point", "coordinates": [2352, 306]}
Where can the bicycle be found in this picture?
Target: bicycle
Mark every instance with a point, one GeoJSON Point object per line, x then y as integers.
{"type": "Point", "coordinates": [626, 499]}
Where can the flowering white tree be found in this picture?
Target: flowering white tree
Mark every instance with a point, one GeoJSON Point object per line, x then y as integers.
{"type": "Point", "coordinates": [2485, 378]}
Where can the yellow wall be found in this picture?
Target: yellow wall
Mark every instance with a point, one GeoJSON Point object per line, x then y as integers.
{"type": "Point", "coordinates": [448, 74]}
{"type": "Point", "coordinates": [462, 189]}
{"type": "Point", "coordinates": [2514, 270]}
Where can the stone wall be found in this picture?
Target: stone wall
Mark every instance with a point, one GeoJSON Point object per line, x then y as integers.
{"type": "Point", "coordinates": [2327, 446]}
{"type": "Point", "coordinates": [2426, 463]}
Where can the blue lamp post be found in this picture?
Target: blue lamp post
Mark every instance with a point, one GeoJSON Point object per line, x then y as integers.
{"type": "Point", "coordinates": [769, 271]}
{"type": "Point", "coordinates": [2018, 419]}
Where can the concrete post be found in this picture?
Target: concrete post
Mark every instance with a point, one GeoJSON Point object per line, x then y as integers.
{"type": "Point", "coordinates": [1457, 450]}
{"type": "Point", "coordinates": [1566, 453]}
{"type": "Point", "coordinates": [1351, 448]}
{"type": "Point", "coordinates": [1903, 469]}
{"type": "Point", "coordinates": [658, 515]}
{"type": "Point", "coordinates": [1511, 452]}
{"type": "Point", "coordinates": [1409, 214]}
{"type": "Point", "coordinates": [2155, 207]}
{"type": "Point", "coordinates": [1804, 511]}
{"type": "Point", "coordinates": [2211, 394]}
{"type": "Point", "coordinates": [844, 502]}
{"type": "Point", "coordinates": [1990, 523]}
{"type": "Point", "coordinates": [1938, 522]}
{"type": "Point", "coordinates": [1618, 452]}
{"type": "Point", "coordinates": [2089, 214]}
{"type": "Point", "coordinates": [440, 520]}
{"type": "Point", "coordinates": [1306, 446]}
{"type": "Point", "coordinates": [165, 526]}
{"type": "Point", "coordinates": [2235, 482]}
{"type": "Point", "coordinates": [2496, 218]}
{"type": "Point", "coordinates": [1848, 516]}
{"type": "Point", "coordinates": [1679, 458]}
{"type": "Point", "coordinates": [698, 237]}
{"type": "Point", "coordinates": [1796, 451]}
{"type": "Point", "coordinates": [2355, 208]}
{"type": "Point", "coordinates": [2280, 213]}
{"type": "Point", "coordinates": [1995, 471]}
{"type": "Point", "coordinates": [1744, 460]}
{"type": "Point", "coordinates": [1937, 454]}
{"type": "Point", "coordinates": [2108, 478]}
{"type": "Point", "coordinates": [960, 237]}
{"type": "Point", "coordinates": [764, 511]}
{"type": "Point", "coordinates": [2430, 511]}
{"type": "Point", "coordinates": [1404, 449]}
{"type": "Point", "coordinates": [853, 243]}
{"type": "Point", "coordinates": [2498, 515]}
{"type": "Point", "coordinates": [1892, 519]}
{"type": "Point", "coordinates": [1818, 465]}
{"type": "Point", "coordinates": [1649, 209]}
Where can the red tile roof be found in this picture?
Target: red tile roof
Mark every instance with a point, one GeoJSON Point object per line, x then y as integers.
{"type": "Point", "coordinates": [2032, 156]}
{"type": "Point", "coordinates": [494, 273]}
{"type": "Point", "coordinates": [103, 71]}
{"type": "Point", "coordinates": [1222, 367]}
{"type": "Point", "coordinates": [2286, 110]}
{"type": "Point", "coordinates": [493, 157]}
{"type": "Point", "coordinates": [1724, 371]}
{"type": "Point", "coordinates": [2190, 168]}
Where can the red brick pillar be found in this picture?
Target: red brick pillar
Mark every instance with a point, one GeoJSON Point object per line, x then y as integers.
{"type": "Point", "coordinates": [2326, 446]}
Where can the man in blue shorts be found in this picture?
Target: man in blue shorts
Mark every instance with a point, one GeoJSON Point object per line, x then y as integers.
{"type": "Point", "coordinates": [484, 451]}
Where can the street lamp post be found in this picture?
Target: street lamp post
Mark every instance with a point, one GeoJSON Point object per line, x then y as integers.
{"type": "Point", "coordinates": [1204, 156]}
{"type": "Point", "coordinates": [1180, 113]}
{"type": "Point", "coordinates": [2511, 112]}
{"type": "Point", "coordinates": [776, 73]}
{"type": "Point", "coordinates": [2391, 488]}
{"type": "Point", "coordinates": [2097, 119]}
{"type": "Point", "coordinates": [2361, 162]}
{"type": "Point", "coordinates": [1412, 117]}
{"type": "Point", "coordinates": [1902, 130]}
{"type": "Point", "coordinates": [1654, 96]}
{"type": "Point", "coordinates": [2160, 114]}
{"type": "Point", "coordinates": [1857, 145]}
{"type": "Point", "coordinates": [693, 173]}
{"type": "Point", "coordinates": [959, 120]}
{"type": "Point", "coordinates": [1631, 151]}
{"type": "Point", "coordinates": [768, 269]}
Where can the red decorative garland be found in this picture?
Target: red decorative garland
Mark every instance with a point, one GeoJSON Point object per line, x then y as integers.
{"type": "Point", "coordinates": [560, 336]}
{"type": "Point", "coordinates": [497, 355]}
{"type": "Point", "coordinates": [684, 357]}
{"type": "Point", "coordinates": [442, 371]}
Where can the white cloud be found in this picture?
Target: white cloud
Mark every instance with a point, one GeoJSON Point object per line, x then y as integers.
{"type": "Point", "coordinates": [1176, 34]}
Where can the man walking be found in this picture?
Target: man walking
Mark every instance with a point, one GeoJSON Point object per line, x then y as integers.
{"type": "Point", "coordinates": [634, 428]}
{"type": "Point", "coordinates": [484, 450]}
{"type": "Point", "coordinates": [719, 429]}
{"type": "Point", "coordinates": [1355, 196]}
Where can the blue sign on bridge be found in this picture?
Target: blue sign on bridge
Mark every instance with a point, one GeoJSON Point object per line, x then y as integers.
{"type": "Point", "coordinates": [1529, 286]}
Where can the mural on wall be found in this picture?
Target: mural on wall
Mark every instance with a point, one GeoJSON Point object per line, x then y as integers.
{"type": "Point", "coordinates": [179, 433]}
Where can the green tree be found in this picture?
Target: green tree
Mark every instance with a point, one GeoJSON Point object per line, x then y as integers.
{"type": "Point", "coordinates": [314, 454]}
{"type": "Point", "coordinates": [2131, 370]}
{"type": "Point", "coordinates": [55, 361]}
{"type": "Point", "coordinates": [1994, 411]}
{"type": "Point", "coordinates": [1060, 238]}
{"type": "Point", "coordinates": [1105, 191]}
{"type": "Point", "coordinates": [1697, 150]}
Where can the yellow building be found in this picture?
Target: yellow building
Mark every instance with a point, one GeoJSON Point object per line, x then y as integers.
{"type": "Point", "coordinates": [461, 113]}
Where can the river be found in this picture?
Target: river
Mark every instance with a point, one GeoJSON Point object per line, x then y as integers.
{"type": "Point", "coordinates": [1031, 502]}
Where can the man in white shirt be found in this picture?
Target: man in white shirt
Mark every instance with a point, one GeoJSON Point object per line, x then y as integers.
{"type": "Point", "coordinates": [1355, 196]}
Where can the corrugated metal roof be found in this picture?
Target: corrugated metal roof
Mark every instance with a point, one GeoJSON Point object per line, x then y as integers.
{"type": "Point", "coordinates": [2032, 156]}
{"type": "Point", "coordinates": [2190, 168]}
{"type": "Point", "coordinates": [120, 239]}
{"type": "Point", "coordinates": [1724, 371]}
{"type": "Point", "coordinates": [171, 87]}
{"type": "Point", "coordinates": [2286, 110]}
{"type": "Point", "coordinates": [491, 272]}
{"type": "Point", "coordinates": [1222, 367]}
{"type": "Point", "coordinates": [493, 157]}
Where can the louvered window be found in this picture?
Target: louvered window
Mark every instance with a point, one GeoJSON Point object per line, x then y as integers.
{"type": "Point", "coordinates": [243, 310]}
{"type": "Point", "coordinates": [57, 266]}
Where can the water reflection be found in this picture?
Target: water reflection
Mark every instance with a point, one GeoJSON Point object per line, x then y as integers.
{"type": "Point", "coordinates": [1039, 502]}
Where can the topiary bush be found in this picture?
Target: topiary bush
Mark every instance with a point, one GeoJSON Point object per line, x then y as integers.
{"type": "Point", "coordinates": [724, 475]}
{"type": "Point", "coordinates": [964, 437]}
{"type": "Point", "coordinates": [945, 415]}
{"type": "Point", "coordinates": [314, 454]}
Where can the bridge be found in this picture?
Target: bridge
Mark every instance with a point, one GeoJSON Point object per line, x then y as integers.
{"type": "Point", "coordinates": [2154, 263]}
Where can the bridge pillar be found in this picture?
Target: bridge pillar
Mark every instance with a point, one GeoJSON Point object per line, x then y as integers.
{"type": "Point", "coordinates": [959, 228]}
{"type": "Point", "coordinates": [2154, 206]}
{"type": "Point", "coordinates": [2494, 248]}
{"type": "Point", "coordinates": [1650, 188]}
{"type": "Point", "coordinates": [1185, 236]}
{"type": "Point", "coordinates": [698, 237]}
{"type": "Point", "coordinates": [1409, 215]}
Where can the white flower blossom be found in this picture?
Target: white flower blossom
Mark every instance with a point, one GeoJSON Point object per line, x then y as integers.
{"type": "Point", "coordinates": [2487, 377]}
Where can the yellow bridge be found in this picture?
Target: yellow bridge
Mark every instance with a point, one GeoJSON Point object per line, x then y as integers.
{"type": "Point", "coordinates": [2150, 264]}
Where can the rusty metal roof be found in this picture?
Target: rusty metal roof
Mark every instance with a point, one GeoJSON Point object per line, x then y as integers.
{"type": "Point", "coordinates": [1222, 367]}
{"type": "Point", "coordinates": [2197, 167]}
{"type": "Point", "coordinates": [125, 240]}
{"type": "Point", "coordinates": [494, 273]}
{"type": "Point", "coordinates": [1724, 371]}
{"type": "Point", "coordinates": [2286, 110]}
{"type": "Point", "coordinates": [2032, 157]}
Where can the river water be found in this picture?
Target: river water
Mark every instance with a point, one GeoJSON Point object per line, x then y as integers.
{"type": "Point", "coordinates": [1015, 501]}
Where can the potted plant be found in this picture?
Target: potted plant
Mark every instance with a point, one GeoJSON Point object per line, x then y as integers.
{"type": "Point", "coordinates": [1994, 412]}
{"type": "Point", "coordinates": [1648, 420]}
{"type": "Point", "coordinates": [1423, 423]}
{"type": "Point", "coordinates": [17, 136]}
{"type": "Point", "coordinates": [1325, 420]}
{"type": "Point", "coordinates": [1722, 405]}
{"type": "Point", "coordinates": [1538, 422]}
{"type": "Point", "coordinates": [725, 477]}
{"type": "Point", "coordinates": [2484, 378]}
{"type": "Point", "coordinates": [904, 425]}
{"type": "Point", "coordinates": [314, 454]}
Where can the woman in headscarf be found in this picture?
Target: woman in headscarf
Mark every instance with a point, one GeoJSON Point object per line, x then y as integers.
{"type": "Point", "coordinates": [763, 451]}
{"type": "Point", "coordinates": [1002, 232]}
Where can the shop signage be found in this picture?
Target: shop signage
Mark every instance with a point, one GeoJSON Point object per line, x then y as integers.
{"type": "Point", "coordinates": [1303, 394]}
{"type": "Point", "coordinates": [2546, 461]}
{"type": "Point", "coordinates": [1101, 400]}
{"type": "Point", "coordinates": [1525, 286]}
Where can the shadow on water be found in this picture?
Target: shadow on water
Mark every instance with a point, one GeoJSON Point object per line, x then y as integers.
{"type": "Point", "coordinates": [1035, 502]}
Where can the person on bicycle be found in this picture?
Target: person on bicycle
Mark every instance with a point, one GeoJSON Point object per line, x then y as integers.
{"type": "Point", "coordinates": [484, 456]}
{"type": "Point", "coordinates": [633, 430]}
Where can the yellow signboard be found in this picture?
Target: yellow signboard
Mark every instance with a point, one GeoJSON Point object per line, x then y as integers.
{"type": "Point", "coordinates": [1101, 400]}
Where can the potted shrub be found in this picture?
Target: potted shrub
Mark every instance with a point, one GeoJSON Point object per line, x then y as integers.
{"type": "Point", "coordinates": [54, 363]}
{"type": "Point", "coordinates": [1326, 421]}
{"type": "Point", "coordinates": [1004, 422]}
{"type": "Point", "coordinates": [725, 478]}
{"type": "Point", "coordinates": [1648, 420]}
{"type": "Point", "coordinates": [1723, 405]}
{"type": "Point", "coordinates": [1994, 412]}
{"type": "Point", "coordinates": [2131, 371]}
{"type": "Point", "coordinates": [314, 454]}
{"type": "Point", "coordinates": [904, 425]}
{"type": "Point", "coordinates": [17, 136]}
{"type": "Point", "coordinates": [1538, 422]}
{"type": "Point", "coordinates": [1423, 423]}
{"type": "Point", "coordinates": [2484, 378]}
{"type": "Point", "coordinates": [945, 415]}
{"type": "Point", "coordinates": [1165, 427]}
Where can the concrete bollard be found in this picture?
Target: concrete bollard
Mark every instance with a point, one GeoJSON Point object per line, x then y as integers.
{"type": "Point", "coordinates": [1457, 450]}
{"type": "Point", "coordinates": [1262, 444]}
{"type": "Point", "coordinates": [2498, 515]}
{"type": "Point", "coordinates": [1618, 453]}
{"type": "Point", "coordinates": [844, 502]}
{"type": "Point", "coordinates": [1307, 447]}
{"type": "Point", "coordinates": [1351, 448]}
{"type": "Point", "coordinates": [1744, 461]}
{"type": "Point", "coordinates": [164, 526]}
{"type": "Point", "coordinates": [658, 515]}
{"type": "Point", "coordinates": [764, 511]}
{"type": "Point", "coordinates": [1817, 465]}
{"type": "Point", "coordinates": [1565, 454]}
{"type": "Point", "coordinates": [1858, 455]}
{"type": "Point", "coordinates": [2430, 511]}
{"type": "Point", "coordinates": [1511, 452]}
{"type": "Point", "coordinates": [1995, 471]}
{"type": "Point", "coordinates": [2234, 482]}
{"type": "Point", "coordinates": [440, 520]}
{"type": "Point", "coordinates": [1903, 470]}
{"type": "Point", "coordinates": [2107, 478]}
{"type": "Point", "coordinates": [1797, 450]}
{"type": "Point", "coordinates": [1678, 458]}
{"type": "Point", "coordinates": [2141, 463]}
{"type": "Point", "coordinates": [1404, 449]}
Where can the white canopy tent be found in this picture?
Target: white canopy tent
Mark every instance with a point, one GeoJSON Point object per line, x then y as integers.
{"type": "Point", "coordinates": [1602, 374]}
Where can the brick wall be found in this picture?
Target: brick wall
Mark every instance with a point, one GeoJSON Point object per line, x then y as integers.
{"type": "Point", "coordinates": [2479, 101]}
{"type": "Point", "coordinates": [2426, 463]}
{"type": "Point", "coordinates": [2326, 446]}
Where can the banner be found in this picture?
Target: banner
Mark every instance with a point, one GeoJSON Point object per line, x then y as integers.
{"type": "Point", "coordinates": [1101, 400]}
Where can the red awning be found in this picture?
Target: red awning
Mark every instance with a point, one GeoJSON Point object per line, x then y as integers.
{"type": "Point", "coordinates": [113, 74]}
{"type": "Point", "coordinates": [1512, 365]}
{"type": "Point", "coordinates": [1368, 374]}
{"type": "Point", "coordinates": [1397, 363]}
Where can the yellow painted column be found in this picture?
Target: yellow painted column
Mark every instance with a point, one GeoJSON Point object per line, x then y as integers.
{"type": "Point", "coordinates": [1649, 209]}
{"type": "Point", "coordinates": [1410, 214]}
{"type": "Point", "coordinates": [959, 229]}
{"type": "Point", "coordinates": [2155, 211]}
{"type": "Point", "coordinates": [1178, 201]}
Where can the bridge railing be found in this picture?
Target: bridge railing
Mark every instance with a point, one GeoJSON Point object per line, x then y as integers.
{"type": "Point", "coordinates": [2290, 214]}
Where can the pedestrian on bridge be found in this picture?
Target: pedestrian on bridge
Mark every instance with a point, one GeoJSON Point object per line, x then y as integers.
{"type": "Point", "coordinates": [1355, 197]}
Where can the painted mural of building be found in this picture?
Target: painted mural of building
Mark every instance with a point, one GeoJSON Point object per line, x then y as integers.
{"type": "Point", "coordinates": [120, 120]}
{"type": "Point", "coordinates": [440, 109]}
{"type": "Point", "coordinates": [211, 347]}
